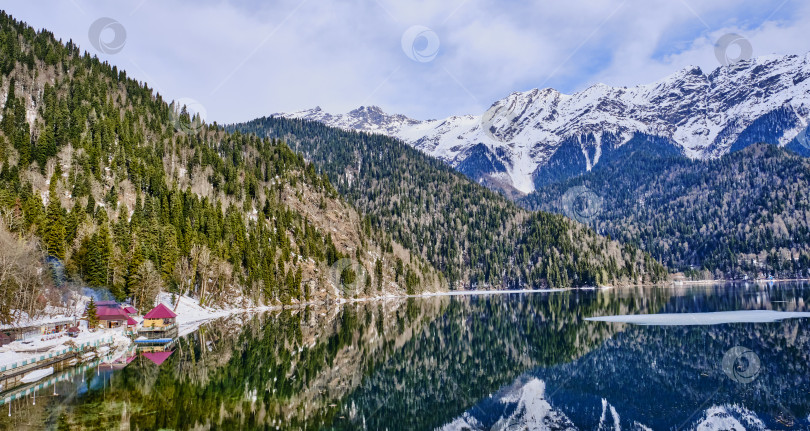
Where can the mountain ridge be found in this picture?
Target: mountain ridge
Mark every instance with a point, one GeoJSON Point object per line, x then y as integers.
{"type": "Point", "coordinates": [704, 115]}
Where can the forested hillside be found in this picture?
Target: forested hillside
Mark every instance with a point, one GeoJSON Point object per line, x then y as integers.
{"type": "Point", "coordinates": [746, 213]}
{"type": "Point", "coordinates": [107, 185]}
{"type": "Point", "coordinates": [474, 236]}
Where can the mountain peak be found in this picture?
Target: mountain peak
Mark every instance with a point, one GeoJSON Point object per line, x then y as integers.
{"type": "Point", "coordinates": [692, 70]}
{"type": "Point", "coordinates": [371, 109]}
{"type": "Point", "coordinates": [689, 74]}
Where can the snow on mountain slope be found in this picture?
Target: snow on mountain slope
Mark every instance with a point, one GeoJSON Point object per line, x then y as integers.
{"type": "Point", "coordinates": [705, 115]}
{"type": "Point", "coordinates": [729, 417]}
{"type": "Point", "coordinates": [523, 406]}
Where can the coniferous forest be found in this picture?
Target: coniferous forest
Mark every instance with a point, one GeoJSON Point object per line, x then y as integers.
{"type": "Point", "coordinates": [106, 184]}
{"type": "Point", "coordinates": [744, 214]}
{"type": "Point", "coordinates": [103, 184]}
{"type": "Point", "coordinates": [474, 236]}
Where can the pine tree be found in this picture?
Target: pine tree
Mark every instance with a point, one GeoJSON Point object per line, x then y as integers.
{"type": "Point", "coordinates": [135, 261]}
{"type": "Point", "coordinates": [378, 273]}
{"type": "Point", "coordinates": [90, 209]}
{"type": "Point", "coordinates": [91, 315]}
{"type": "Point", "coordinates": [99, 257]}
{"type": "Point", "coordinates": [168, 253]}
{"type": "Point", "coordinates": [46, 147]}
{"type": "Point", "coordinates": [54, 235]}
{"type": "Point", "coordinates": [22, 134]}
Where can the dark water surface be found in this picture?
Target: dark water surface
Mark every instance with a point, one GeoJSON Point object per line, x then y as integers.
{"type": "Point", "coordinates": [512, 361]}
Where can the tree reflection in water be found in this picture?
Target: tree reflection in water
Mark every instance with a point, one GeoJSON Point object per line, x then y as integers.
{"type": "Point", "coordinates": [421, 362]}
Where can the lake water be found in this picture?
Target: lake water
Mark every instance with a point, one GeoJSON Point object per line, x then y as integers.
{"type": "Point", "coordinates": [511, 361]}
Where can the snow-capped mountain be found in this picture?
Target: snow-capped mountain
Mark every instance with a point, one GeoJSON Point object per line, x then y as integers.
{"type": "Point", "coordinates": [520, 406]}
{"type": "Point", "coordinates": [539, 135]}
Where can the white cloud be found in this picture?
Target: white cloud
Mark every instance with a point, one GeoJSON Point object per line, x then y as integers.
{"type": "Point", "coordinates": [246, 59]}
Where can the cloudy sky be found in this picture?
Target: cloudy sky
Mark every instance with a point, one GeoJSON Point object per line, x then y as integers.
{"type": "Point", "coordinates": [426, 59]}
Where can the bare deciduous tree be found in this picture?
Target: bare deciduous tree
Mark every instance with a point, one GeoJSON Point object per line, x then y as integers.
{"type": "Point", "coordinates": [184, 276]}
{"type": "Point", "coordinates": [201, 261]}
{"type": "Point", "coordinates": [23, 278]}
{"type": "Point", "coordinates": [148, 285]}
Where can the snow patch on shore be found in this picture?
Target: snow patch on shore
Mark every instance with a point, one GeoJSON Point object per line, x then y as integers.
{"type": "Point", "coordinates": [190, 314]}
{"type": "Point", "coordinates": [488, 292]}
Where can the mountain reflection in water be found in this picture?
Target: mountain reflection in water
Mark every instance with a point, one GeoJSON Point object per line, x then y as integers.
{"type": "Point", "coordinates": [470, 362]}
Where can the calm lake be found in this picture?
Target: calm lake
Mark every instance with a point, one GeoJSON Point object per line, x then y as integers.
{"type": "Point", "coordinates": [511, 361]}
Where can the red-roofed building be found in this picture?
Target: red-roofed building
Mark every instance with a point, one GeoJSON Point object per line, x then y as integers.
{"type": "Point", "coordinates": [111, 316]}
{"type": "Point", "coordinates": [130, 310]}
{"type": "Point", "coordinates": [132, 325]}
{"type": "Point", "coordinates": [157, 357]}
{"type": "Point", "coordinates": [160, 312]}
{"type": "Point", "coordinates": [159, 319]}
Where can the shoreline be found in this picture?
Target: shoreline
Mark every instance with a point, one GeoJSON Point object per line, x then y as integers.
{"type": "Point", "coordinates": [191, 316]}
{"type": "Point", "coordinates": [201, 314]}
{"type": "Point", "coordinates": [219, 313]}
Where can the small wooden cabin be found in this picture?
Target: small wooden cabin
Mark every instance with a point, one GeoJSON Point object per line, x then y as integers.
{"type": "Point", "coordinates": [160, 318]}
{"type": "Point", "coordinates": [111, 316]}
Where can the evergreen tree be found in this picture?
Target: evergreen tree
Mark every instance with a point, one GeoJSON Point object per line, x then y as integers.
{"type": "Point", "coordinates": [99, 257]}
{"type": "Point", "coordinates": [90, 209]}
{"type": "Point", "coordinates": [54, 237]}
{"type": "Point", "coordinates": [378, 273]}
{"type": "Point", "coordinates": [91, 315]}
{"type": "Point", "coordinates": [134, 263]}
{"type": "Point", "coordinates": [168, 253]}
